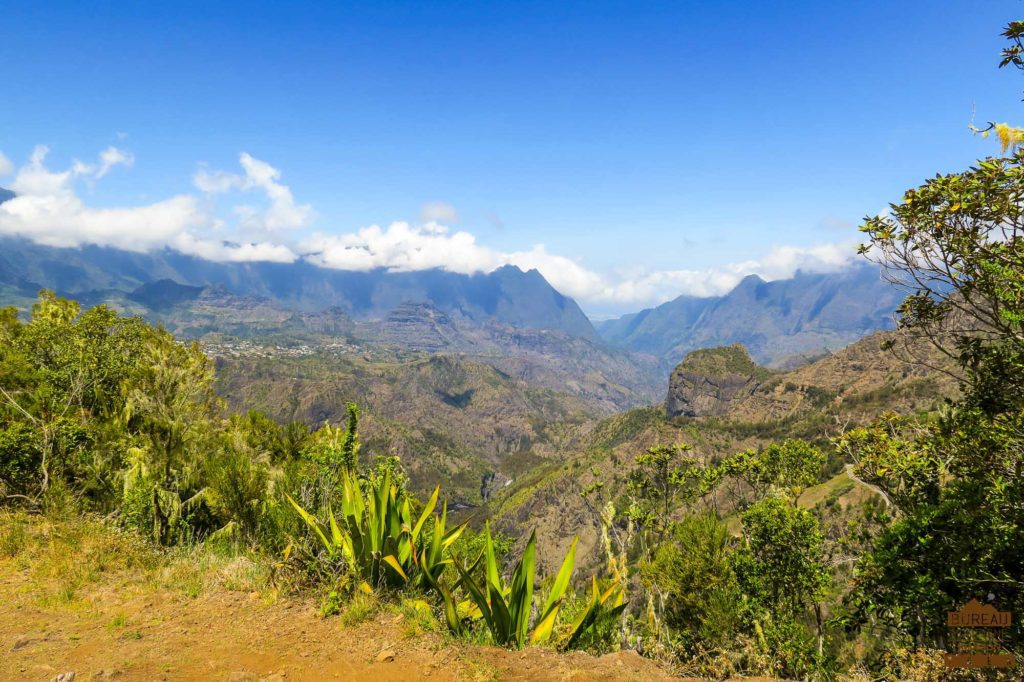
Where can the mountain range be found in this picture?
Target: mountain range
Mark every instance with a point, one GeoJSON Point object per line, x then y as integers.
{"type": "Point", "coordinates": [508, 295]}
{"type": "Point", "coordinates": [780, 323]}
{"type": "Point", "coordinates": [478, 380]}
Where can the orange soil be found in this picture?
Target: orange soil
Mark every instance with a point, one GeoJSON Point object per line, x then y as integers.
{"type": "Point", "coordinates": [126, 633]}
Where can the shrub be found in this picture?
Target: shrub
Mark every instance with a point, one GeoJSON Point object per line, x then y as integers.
{"type": "Point", "coordinates": [506, 609]}
{"type": "Point", "coordinates": [236, 486]}
{"type": "Point", "coordinates": [376, 537]}
{"type": "Point", "coordinates": [693, 573]}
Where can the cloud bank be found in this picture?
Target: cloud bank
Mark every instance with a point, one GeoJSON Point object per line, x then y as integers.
{"type": "Point", "coordinates": [404, 247]}
{"type": "Point", "coordinates": [274, 227]}
{"type": "Point", "coordinates": [48, 210]}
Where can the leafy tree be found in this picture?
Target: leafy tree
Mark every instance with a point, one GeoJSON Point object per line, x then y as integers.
{"type": "Point", "coordinates": [782, 572]}
{"type": "Point", "coordinates": [957, 244]}
{"type": "Point", "coordinates": [663, 476]}
{"type": "Point", "coordinates": [781, 564]}
{"type": "Point", "coordinates": [896, 456]}
{"type": "Point", "coordinates": [960, 528]}
{"type": "Point", "coordinates": [60, 387]}
{"type": "Point", "coordinates": [784, 469]}
{"type": "Point", "coordinates": [957, 482]}
{"type": "Point", "coordinates": [170, 403]}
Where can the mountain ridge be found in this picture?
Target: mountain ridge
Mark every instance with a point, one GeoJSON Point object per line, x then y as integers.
{"type": "Point", "coordinates": [755, 407]}
{"type": "Point", "coordinates": [783, 323]}
{"type": "Point", "coordinates": [806, 315]}
{"type": "Point", "coordinates": [508, 294]}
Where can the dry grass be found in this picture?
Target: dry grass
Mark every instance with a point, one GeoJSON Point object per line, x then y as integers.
{"type": "Point", "coordinates": [88, 597]}
{"type": "Point", "coordinates": [64, 558]}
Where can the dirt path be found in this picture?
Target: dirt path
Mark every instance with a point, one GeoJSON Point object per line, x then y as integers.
{"type": "Point", "coordinates": [122, 631]}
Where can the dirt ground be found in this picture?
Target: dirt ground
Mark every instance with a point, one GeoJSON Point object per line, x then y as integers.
{"type": "Point", "coordinates": [126, 633]}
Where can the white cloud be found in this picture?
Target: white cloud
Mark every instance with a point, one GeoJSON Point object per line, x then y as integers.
{"type": "Point", "coordinates": [780, 263]}
{"type": "Point", "coordinates": [34, 179]}
{"type": "Point", "coordinates": [6, 167]}
{"type": "Point", "coordinates": [401, 247]}
{"type": "Point", "coordinates": [47, 210]}
{"type": "Point", "coordinates": [112, 156]}
{"type": "Point", "coordinates": [280, 216]}
{"type": "Point", "coordinates": [233, 253]}
{"type": "Point", "coordinates": [404, 247]}
{"type": "Point", "coordinates": [565, 274]}
{"type": "Point", "coordinates": [216, 182]}
{"type": "Point", "coordinates": [438, 212]}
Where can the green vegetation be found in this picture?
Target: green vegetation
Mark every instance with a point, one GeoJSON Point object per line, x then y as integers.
{"type": "Point", "coordinates": [506, 609]}
{"type": "Point", "coordinates": [723, 361]}
{"type": "Point", "coordinates": [810, 557]}
{"type": "Point", "coordinates": [406, 409]}
{"type": "Point", "coordinates": [807, 593]}
{"type": "Point", "coordinates": [798, 556]}
{"type": "Point", "coordinates": [109, 415]}
{"type": "Point", "coordinates": [376, 538]}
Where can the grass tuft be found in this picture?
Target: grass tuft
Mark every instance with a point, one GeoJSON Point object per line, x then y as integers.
{"type": "Point", "coordinates": [359, 609]}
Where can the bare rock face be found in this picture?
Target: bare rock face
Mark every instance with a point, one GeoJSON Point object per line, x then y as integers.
{"type": "Point", "coordinates": [332, 321]}
{"type": "Point", "coordinates": [422, 326]}
{"type": "Point", "coordinates": [708, 381]}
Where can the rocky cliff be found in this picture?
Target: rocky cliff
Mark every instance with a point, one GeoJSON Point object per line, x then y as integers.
{"type": "Point", "coordinates": [737, 406]}
{"type": "Point", "coordinates": [708, 381]}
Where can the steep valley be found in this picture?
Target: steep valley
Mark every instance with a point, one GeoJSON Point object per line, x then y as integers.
{"type": "Point", "coordinates": [517, 450]}
{"type": "Point", "coordinates": [564, 496]}
{"type": "Point", "coordinates": [452, 420]}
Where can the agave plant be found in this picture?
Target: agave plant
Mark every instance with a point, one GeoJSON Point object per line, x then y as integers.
{"type": "Point", "coordinates": [506, 609]}
{"type": "Point", "coordinates": [432, 563]}
{"type": "Point", "coordinates": [376, 535]}
{"type": "Point", "coordinates": [602, 606]}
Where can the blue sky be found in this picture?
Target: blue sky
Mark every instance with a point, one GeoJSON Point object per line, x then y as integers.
{"type": "Point", "coordinates": [653, 149]}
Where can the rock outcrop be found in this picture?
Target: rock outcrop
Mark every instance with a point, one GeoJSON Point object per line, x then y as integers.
{"type": "Point", "coordinates": [708, 381]}
{"type": "Point", "coordinates": [423, 327]}
{"type": "Point", "coordinates": [333, 321]}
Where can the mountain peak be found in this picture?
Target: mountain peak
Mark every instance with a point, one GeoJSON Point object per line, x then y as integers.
{"type": "Point", "coordinates": [808, 313]}
{"type": "Point", "coordinates": [506, 295]}
{"type": "Point", "coordinates": [721, 361]}
{"type": "Point", "coordinates": [750, 281]}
